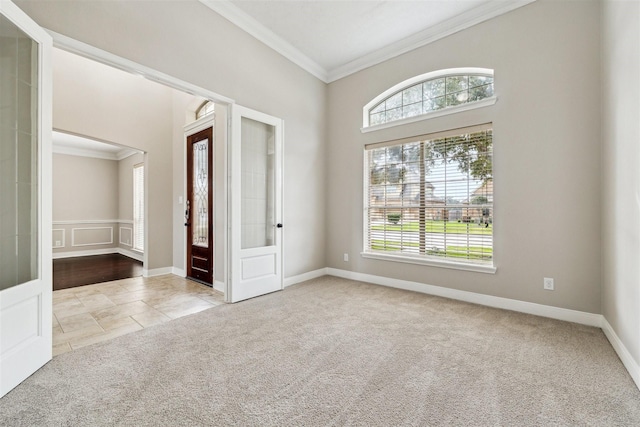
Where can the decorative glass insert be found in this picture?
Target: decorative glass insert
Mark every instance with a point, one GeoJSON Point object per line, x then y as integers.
{"type": "Point", "coordinates": [432, 95]}
{"type": "Point", "coordinates": [432, 197]}
{"type": "Point", "coordinates": [200, 221]}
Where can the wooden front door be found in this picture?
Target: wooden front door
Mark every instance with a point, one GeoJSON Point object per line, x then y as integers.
{"type": "Point", "coordinates": [199, 206]}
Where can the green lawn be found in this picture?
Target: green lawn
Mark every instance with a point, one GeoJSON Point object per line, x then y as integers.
{"type": "Point", "coordinates": [471, 252]}
{"type": "Point", "coordinates": [449, 227]}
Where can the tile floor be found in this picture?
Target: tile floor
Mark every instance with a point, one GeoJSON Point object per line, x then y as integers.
{"type": "Point", "coordinates": [89, 314]}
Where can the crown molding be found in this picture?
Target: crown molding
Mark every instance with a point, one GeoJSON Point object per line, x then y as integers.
{"type": "Point", "coordinates": [458, 23]}
{"type": "Point", "coordinates": [96, 154]}
{"type": "Point", "coordinates": [250, 25]}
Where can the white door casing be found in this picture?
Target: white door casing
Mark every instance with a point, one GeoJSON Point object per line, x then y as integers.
{"type": "Point", "coordinates": [255, 205]}
{"type": "Point", "coordinates": [26, 308]}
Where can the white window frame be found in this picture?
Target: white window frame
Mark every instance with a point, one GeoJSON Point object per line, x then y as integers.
{"type": "Point", "coordinates": [366, 127]}
{"type": "Point", "coordinates": [410, 258]}
{"type": "Point", "coordinates": [138, 209]}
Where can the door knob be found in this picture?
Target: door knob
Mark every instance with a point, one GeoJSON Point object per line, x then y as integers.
{"type": "Point", "coordinates": [279, 225]}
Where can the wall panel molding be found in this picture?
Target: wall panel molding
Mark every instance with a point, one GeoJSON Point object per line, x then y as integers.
{"type": "Point", "coordinates": [78, 231]}
{"type": "Point", "coordinates": [58, 234]}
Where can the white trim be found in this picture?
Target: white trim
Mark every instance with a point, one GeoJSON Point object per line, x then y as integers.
{"type": "Point", "coordinates": [584, 318]}
{"type": "Point", "coordinates": [486, 102]}
{"type": "Point", "coordinates": [219, 286]}
{"type": "Point", "coordinates": [85, 152]}
{"type": "Point", "coordinates": [482, 13]}
{"type": "Point", "coordinates": [89, 221]}
{"type": "Point", "coordinates": [250, 25]}
{"type": "Point", "coordinates": [156, 271]}
{"type": "Point", "coordinates": [289, 281]}
{"type": "Point", "coordinates": [64, 233]}
{"type": "Point", "coordinates": [627, 359]}
{"type": "Point", "coordinates": [202, 123]}
{"type": "Point", "coordinates": [120, 236]}
{"type": "Point", "coordinates": [432, 262]}
{"type": "Point", "coordinates": [87, 252]}
{"type": "Point", "coordinates": [73, 236]}
{"type": "Point", "coordinates": [138, 256]}
{"type": "Point", "coordinates": [104, 57]}
{"type": "Point", "coordinates": [178, 272]}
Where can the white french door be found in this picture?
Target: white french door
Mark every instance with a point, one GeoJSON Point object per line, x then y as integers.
{"type": "Point", "coordinates": [255, 214]}
{"type": "Point", "coordinates": [25, 197]}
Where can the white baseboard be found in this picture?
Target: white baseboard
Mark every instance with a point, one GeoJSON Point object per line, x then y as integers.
{"type": "Point", "coordinates": [90, 252]}
{"type": "Point", "coordinates": [218, 286]}
{"type": "Point", "coordinates": [178, 272]}
{"type": "Point", "coordinates": [138, 256]}
{"type": "Point", "coordinates": [305, 276]}
{"type": "Point", "coordinates": [627, 360]}
{"type": "Point", "coordinates": [575, 316]}
{"type": "Point", "coordinates": [157, 271]}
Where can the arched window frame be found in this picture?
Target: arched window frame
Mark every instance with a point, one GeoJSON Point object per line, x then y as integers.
{"type": "Point", "coordinates": [207, 107]}
{"type": "Point", "coordinates": [366, 127]}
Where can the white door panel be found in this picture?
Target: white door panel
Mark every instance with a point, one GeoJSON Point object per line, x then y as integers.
{"type": "Point", "coordinates": [256, 204]}
{"type": "Point", "coordinates": [25, 194]}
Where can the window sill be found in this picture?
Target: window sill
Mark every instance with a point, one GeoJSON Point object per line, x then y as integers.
{"type": "Point", "coordinates": [478, 268]}
{"type": "Point", "coordinates": [438, 113]}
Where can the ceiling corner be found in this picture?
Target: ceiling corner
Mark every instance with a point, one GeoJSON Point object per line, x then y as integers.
{"type": "Point", "coordinates": [248, 24]}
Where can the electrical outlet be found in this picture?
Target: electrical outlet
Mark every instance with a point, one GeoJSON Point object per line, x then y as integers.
{"type": "Point", "coordinates": [345, 257]}
{"type": "Point", "coordinates": [548, 283]}
{"type": "Point", "coordinates": [58, 243]}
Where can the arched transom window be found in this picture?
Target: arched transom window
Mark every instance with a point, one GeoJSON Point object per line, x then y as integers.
{"type": "Point", "coordinates": [429, 93]}
{"type": "Point", "coordinates": [205, 108]}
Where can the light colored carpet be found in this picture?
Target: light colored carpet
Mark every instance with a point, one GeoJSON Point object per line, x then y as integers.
{"type": "Point", "coordinates": [337, 352]}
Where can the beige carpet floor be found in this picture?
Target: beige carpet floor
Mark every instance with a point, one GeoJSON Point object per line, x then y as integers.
{"type": "Point", "coordinates": [333, 352]}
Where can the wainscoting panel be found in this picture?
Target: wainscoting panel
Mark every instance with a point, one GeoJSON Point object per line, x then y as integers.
{"type": "Point", "coordinates": [58, 238]}
{"type": "Point", "coordinates": [126, 236]}
{"type": "Point", "coordinates": [91, 236]}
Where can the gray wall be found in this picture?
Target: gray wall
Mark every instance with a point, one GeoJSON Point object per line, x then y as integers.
{"type": "Point", "coordinates": [546, 58]}
{"type": "Point", "coordinates": [189, 41]}
{"type": "Point", "coordinates": [125, 185]}
{"type": "Point", "coordinates": [621, 171]}
{"type": "Point", "coordinates": [107, 104]}
{"type": "Point", "coordinates": [92, 203]}
{"type": "Point", "coordinates": [84, 188]}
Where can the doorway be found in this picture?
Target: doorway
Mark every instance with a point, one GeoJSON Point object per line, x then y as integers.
{"type": "Point", "coordinates": [199, 205]}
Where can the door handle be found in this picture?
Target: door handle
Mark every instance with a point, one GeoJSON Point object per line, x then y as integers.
{"type": "Point", "coordinates": [187, 214]}
{"type": "Point", "coordinates": [279, 225]}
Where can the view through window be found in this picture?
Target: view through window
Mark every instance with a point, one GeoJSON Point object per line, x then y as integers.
{"type": "Point", "coordinates": [432, 197]}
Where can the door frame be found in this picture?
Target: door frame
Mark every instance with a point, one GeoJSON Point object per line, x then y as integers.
{"type": "Point", "coordinates": [30, 353]}
{"type": "Point", "coordinates": [234, 204]}
{"type": "Point", "coordinates": [190, 129]}
{"type": "Point", "coordinates": [85, 50]}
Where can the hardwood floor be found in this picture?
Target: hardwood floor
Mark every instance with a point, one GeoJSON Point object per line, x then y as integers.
{"type": "Point", "coordinates": [87, 270]}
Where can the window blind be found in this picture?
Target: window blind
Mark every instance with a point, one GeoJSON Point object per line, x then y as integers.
{"type": "Point", "coordinates": [432, 196]}
{"type": "Point", "coordinates": [138, 207]}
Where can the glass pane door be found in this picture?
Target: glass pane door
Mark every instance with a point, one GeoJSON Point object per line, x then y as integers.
{"type": "Point", "coordinates": [200, 226]}
{"type": "Point", "coordinates": [258, 184]}
{"type": "Point", "coordinates": [18, 156]}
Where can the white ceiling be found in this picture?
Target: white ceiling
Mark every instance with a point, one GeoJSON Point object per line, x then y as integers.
{"type": "Point", "coordinates": [334, 38]}
{"type": "Point", "coordinates": [66, 143]}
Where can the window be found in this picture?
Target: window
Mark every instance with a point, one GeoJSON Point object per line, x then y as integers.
{"type": "Point", "coordinates": [451, 90]}
{"type": "Point", "coordinates": [138, 207]}
{"type": "Point", "coordinates": [429, 199]}
{"type": "Point", "coordinates": [207, 107]}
